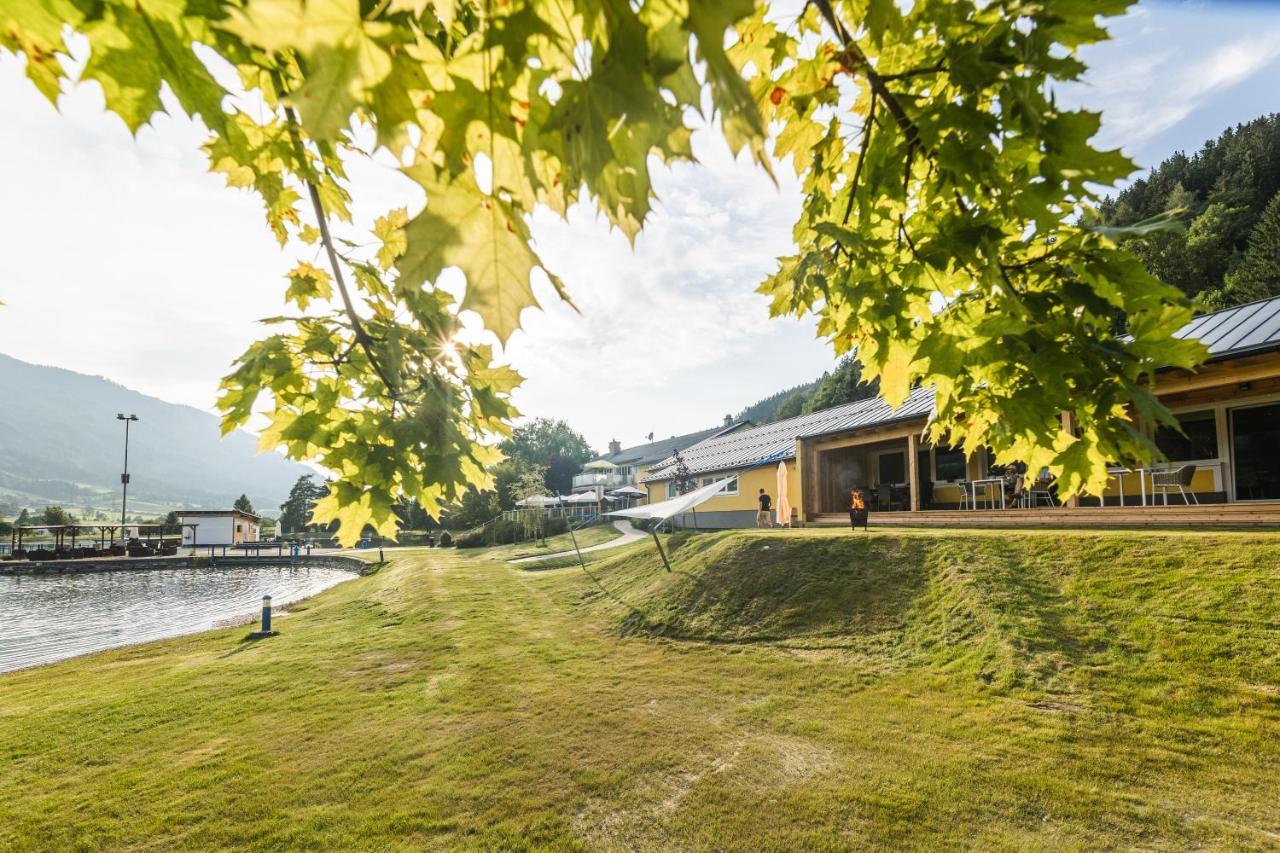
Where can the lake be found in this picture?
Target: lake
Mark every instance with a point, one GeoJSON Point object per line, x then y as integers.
{"type": "Point", "coordinates": [46, 618]}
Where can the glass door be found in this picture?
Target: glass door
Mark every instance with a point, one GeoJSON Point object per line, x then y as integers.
{"type": "Point", "coordinates": [1255, 438]}
{"type": "Point", "coordinates": [891, 467]}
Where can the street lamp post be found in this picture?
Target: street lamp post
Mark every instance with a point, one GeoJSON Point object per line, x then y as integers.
{"type": "Point", "coordinates": [124, 478]}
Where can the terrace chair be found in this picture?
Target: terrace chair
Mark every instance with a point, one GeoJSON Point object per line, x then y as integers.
{"type": "Point", "coordinates": [1040, 491]}
{"type": "Point", "coordinates": [1178, 478]}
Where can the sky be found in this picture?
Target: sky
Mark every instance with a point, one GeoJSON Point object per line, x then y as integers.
{"type": "Point", "coordinates": [123, 257]}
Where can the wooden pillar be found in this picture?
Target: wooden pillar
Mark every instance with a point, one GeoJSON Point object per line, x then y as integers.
{"type": "Point", "coordinates": [1069, 427]}
{"type": "Point", "coordinates": [913, 470]}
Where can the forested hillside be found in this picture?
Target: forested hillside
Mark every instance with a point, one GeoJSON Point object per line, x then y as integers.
{"type": "Point", "coordinates": [1229, 251]}
{"type": "Point", "coordinates": [842, 385]}
{"type": "Point", "coordinates": [60, 442]}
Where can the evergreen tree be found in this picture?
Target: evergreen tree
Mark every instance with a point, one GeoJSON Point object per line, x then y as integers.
{"type": "Point", "coordinates": [1258, 275]}
{"type": "Point", "coordinates": [1223, 192]}
{"type": "Point", "coordinates": [295, 512]}
{"type": "Point", "coordinates": [843, 385]}
{"type": "Point", "coordinates": [683, 481]}
{"type": "Point", "coordinates": [244, 504]}
{"type": "Point", "coordinates": [23, 519]}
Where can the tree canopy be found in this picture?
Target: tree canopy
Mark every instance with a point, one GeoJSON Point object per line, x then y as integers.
{"type": "Point", "coordinates": [295, 512]}
{"type": "Point", "coordinates": [55, 515]}
{"type": "Point", "coordinates": [844, 384]}
{"type": "Point", "coordinates": [244, 504]}
{"type": "Point", "coordinates": [1225, 193]}
{"type": "Point", "coordinates": [939, 237]}
{"type": "Point", "coordinates": [550, 445]}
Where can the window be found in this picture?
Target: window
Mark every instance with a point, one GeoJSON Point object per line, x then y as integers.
{"type": "Point", "coordinates": [892, 467]}
{"type": "Point", "coordinates": [731, 489]}
{"type": "Point", "coordinates": [1255, 432]}
{"type": "Point", "coordinates": [1200, 440]}
{"type": "Point", "coordinates": [948, 463]}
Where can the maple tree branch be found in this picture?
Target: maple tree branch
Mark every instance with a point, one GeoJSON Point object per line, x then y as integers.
{"type": "Point", "coordinates": [322, 223]}
{"type": "Point", "coordinates": [862, 157]}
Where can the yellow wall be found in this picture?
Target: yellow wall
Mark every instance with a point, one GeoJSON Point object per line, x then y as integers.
{"type": "Point", "coordinates": [749, 486]}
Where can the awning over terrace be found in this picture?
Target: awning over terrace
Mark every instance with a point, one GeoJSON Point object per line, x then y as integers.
{"type": "Point", "coordinates": [663, 510]}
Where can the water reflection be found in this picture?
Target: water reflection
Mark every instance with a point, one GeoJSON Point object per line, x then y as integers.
{"type": "Point", "coordinates": [44, 618]}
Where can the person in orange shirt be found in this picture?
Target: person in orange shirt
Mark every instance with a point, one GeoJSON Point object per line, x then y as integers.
{"type": "Point", "coordinates": [857, 510]}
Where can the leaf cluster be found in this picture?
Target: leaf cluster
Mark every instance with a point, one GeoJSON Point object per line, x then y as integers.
{"type": "Point", "coordinates": [940, 236]}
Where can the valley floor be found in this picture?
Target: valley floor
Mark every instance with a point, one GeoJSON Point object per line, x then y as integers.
{"type": "Point", "coordinates": [781, 689]}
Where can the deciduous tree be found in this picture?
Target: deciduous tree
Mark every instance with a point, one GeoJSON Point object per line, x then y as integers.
{"type": "Point", "coordinates": [938, 236]}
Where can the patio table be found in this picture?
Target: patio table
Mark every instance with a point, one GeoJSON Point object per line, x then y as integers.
{"type": "Point", "coordinates": [997, 482]}
{"type": "Point", "coordinates": [1118, 473]}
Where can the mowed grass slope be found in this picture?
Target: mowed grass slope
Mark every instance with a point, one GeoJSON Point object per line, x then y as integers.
{"type": "Point", "coordinates": [810, 689]}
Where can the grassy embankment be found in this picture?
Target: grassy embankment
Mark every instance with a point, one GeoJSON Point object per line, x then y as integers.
{"type": "Point", "coordinates": [779, 689]}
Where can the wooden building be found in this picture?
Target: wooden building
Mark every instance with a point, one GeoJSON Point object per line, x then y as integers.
{"type": "Point", "coordinates": [1229, 411]}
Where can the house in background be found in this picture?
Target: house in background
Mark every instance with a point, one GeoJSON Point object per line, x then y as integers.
{"type": "Point", "coordinates": [630, 464]}
{"type": "Point", "coordinates": [1228, 410]}
{"type": "Point", "coordinates": [218, 527]}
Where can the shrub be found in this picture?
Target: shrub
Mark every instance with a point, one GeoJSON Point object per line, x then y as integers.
{"type": "Point", "coordinates": [470, 539]}
{"type": "Point", "coordinates": [645, 524]}
{"type": "Point", "coordinates": [445, 539]}
{"type": "Point", "coordinates": [555, 525]}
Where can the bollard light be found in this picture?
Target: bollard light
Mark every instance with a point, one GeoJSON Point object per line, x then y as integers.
{"type": "Point", "coordinates": [265, 631]}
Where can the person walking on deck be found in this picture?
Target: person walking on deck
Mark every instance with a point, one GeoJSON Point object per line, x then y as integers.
{"type": "Point", "coordinates": [763, 519]}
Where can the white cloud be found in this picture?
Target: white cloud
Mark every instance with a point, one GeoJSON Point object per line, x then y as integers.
{"type": "Point", "coordinates": [1165, 65]}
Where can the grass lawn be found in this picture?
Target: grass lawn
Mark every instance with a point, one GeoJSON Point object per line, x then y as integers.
{"type": "Point", "coordinates": [780, 689]}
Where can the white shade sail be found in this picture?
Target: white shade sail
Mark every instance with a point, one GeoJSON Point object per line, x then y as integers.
{"type": "Point", "coordinates": [674, 506]}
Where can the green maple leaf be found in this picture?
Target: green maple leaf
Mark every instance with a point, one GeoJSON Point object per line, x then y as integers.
{"type": "Point", "coordinates": [341, 60]}
{"type": "Point", "coordinates": [124, 63]}
{"type": "Point", "coordinates": [483, 237]}
{"type": "Point", "coordinates": [307, 282]}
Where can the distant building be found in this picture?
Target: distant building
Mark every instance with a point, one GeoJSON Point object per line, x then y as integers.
{"type": "Point", "coordinates": [219, 527]}
{"type": "Point", "coordinates": [630, 464]}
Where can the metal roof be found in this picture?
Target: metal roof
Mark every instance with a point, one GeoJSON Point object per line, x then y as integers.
{"type": "Point", "coordinates": [1235, 332]}
{"type": "Point", "coordinates": [656, 451]}
{"type": "Point", "coordinates": [1230, 333]}
{"type": "Point", "coordinates": [777, 441]}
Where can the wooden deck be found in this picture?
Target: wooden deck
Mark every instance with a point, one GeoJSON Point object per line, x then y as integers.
{"type": "Point", "coordinates": [1237, 515]}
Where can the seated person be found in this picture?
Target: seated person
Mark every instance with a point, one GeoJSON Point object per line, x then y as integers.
{"type": "Point", "coordinates": [1015, 477]}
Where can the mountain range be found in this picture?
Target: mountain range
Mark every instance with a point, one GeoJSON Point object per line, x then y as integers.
{"type": "Point", "coordinates": [60, 442]}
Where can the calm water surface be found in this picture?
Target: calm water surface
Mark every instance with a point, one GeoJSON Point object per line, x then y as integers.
{"type": "Point", "coordinates": [44, 618]}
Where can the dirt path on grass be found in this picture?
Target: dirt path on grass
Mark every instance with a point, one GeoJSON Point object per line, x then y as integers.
{"type": "Point", "coordinates": [628, 535]}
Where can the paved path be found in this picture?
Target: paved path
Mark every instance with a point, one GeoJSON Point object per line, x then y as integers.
{"type": "Point", "coordinates": [629, 535]}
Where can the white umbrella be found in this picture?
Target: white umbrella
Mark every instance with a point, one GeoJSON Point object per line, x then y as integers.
{"type": "Point", "coordinates": [784, 506]}
{"type": "Point", "coordinates": [629, 492]}
{"type": "Point", "coordinates": [599, 465]}
{"type": "Point", "coordinates": [584, 498]}
{"type": "Point", "coordinates": [538, 500]}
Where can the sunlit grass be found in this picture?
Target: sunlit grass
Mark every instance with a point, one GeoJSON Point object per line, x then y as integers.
{"type": "Point", "coordinates": [779, 689]}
